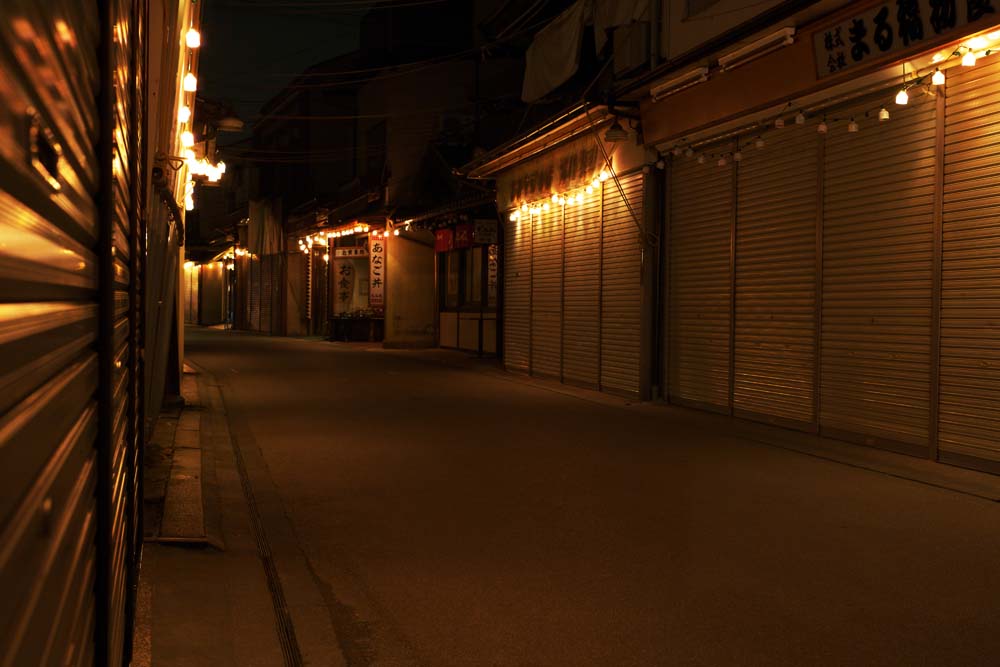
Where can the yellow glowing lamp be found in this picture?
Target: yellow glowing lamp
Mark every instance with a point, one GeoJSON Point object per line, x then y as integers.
{"type": "Point", "coordinates": [190, 82]}
{"type": "Point", "coordinates": [192, 39]}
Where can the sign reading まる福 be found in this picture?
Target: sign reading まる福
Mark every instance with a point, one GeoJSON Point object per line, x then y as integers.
{"type": "Point", "coordinates": [889, 27]}
{"type": "Point", "coordinates": [376, 290]}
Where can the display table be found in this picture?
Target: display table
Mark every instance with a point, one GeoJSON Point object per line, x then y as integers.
{"type": "Point", "coordinates": [357, 329]}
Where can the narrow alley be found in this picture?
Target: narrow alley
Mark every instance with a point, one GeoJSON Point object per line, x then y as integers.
{"type": "Point", "coordinates": [450, 514]}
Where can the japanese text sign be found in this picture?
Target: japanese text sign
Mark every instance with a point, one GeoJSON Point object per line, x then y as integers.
{"type": "Point", "coordinates": [358, 251]}
{"type": "Point", "coordinates": [376, 293]}
{"type": "Point", "coordinates": [463, 235]}
{"type": "Point", "coordinates": [891, 26]}
{"type": "Point", "coordinates": [444, 240]}
{"type": "Point", "coordinates": [343, 285]}
{"type": "Point", "coordinates": [485, 232]}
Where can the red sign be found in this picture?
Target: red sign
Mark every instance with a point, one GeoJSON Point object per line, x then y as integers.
{"type": "Point", "coordinates": [444, 240]}
{"type": "Point", "coordinates": [463, 235]}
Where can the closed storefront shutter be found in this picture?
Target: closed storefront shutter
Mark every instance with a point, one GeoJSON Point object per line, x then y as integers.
{"type": "Point", "coordinates": [546, 292]}
{"type": "Point", "coordinates": [517, 293]}
{"type": "Point", "coordinates": [582, 289]}
{"type": "Point", "coordinates": [254, 265]}
{"type": "Point", "coordinates": [621, 284]}
{"type": "Point", "coordinates": [970, 281]}
{"type": "Point", "coordinates": [777, 202]}
{"type": "Point", "coordinates": [701, 217]}
{"type": "Point", "coordinates": [877, 277]}
{"type": "Point", "coordinates": [48, 351]}
{"type": "Point", "coordinates": [266, 289]}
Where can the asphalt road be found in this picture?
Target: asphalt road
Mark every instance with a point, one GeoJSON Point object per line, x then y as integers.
{"type": "Point", "coordinates": [459, 518]}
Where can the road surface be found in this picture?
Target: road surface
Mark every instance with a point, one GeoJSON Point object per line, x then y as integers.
{"type": "Point", "coordinates": [453, 517]}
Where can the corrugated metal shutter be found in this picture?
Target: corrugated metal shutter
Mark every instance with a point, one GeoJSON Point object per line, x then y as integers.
{"type": "Point", "coordinates": [546, 293]}
{"type": "Point", "coordinates": [970, 280]}
{"type": "Point", "coordinates": [775, 342]}
{"type": "Point", "coordinates": [266, 290]}
{"type": "Point", "coordinates": [621, 284]}
{"type": "Point", "coordinates": [701, 216]}
{"type": "Point", "coordinates": [254, 315]}
{"type": "Point", "coordinates": [48, 331]}
{"type": "Point", "coordinates": [517, 294]}
{"type": "Point", "coordinates": [582, 294]}
{"type": "Point", "coordinates": [877, 277]}
{"type": "Point", "coordinates": [123, 215]}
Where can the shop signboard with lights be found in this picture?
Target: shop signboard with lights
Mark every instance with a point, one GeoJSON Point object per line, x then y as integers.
{"type": "Point", "coordinates": [890, 27]}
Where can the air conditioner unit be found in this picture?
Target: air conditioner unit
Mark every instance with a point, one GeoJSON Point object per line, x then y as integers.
{"type": "Point", "coordinates": [762, 46]}
{"type": "Point", "coordinates": [678, 83]}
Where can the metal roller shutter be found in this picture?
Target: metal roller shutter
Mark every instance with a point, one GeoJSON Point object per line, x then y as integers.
{"type": "Point", "coordinates": [517, 294]}
{"type": "Point", "coordinates": [546, 293]}
{"type": "Point", "coordinates": [877, 277]}
{"type": "Point", "coordinates": [49, 323]}
{"type": "Point", "coordinates": [621, 284]}
{"type": "Point", "coordinates": [123, 215]}
{"type": "Point", "coordinates": [582, 293]}
{"type": "Point", "coordinates": [970, 280]}
{"type": "Point", "coordinates": [254, 314]}
{"type": "Point", "coordinates": [701, 217]}
{"type": "Point", "coordinates": [774, 342]}
{"type": "Point", "coordinates": [266, 289]}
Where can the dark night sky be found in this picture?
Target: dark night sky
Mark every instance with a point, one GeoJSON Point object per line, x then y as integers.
{"type": "Point", "coordinates": [252, 48]}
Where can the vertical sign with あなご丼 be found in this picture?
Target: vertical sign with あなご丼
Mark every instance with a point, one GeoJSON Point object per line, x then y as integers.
{"type": "Point", "coordinates": [376, 292]}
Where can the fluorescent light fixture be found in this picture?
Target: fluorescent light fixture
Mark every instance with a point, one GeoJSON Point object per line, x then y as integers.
{"type": "Point", "coordinates": [678, 83]}
{"type": "Point", "coordinates": [762, 46]}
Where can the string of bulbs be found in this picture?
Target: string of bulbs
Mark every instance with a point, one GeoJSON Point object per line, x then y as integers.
{"type": "Point", "coordinates": [568, 198]}
{"type": "Point", "coordinates": [937, 78]}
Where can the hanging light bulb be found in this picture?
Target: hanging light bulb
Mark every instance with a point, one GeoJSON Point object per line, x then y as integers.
{"type": "Point", "coordinates": [513, 216]}
{"type": "Point", "coordinates": [759, 143]}
{"type": "Point", "coordinates": [545, 207]}
{"type": "Point", "coordinates": [722, 161]}
{"type": "Point", "coordinates": [187, 139]}
{"type": "Point", "coordinates": [596, 183]}
{"type": "Point", "coordinates": [590, 189]}
{"type": "Point", "coordinates": [883, 114]}
{"type": "Point", "coordinates": [689, 152]}
{"type": "Point", "coordinates": [192, 39]}
{"type": "Point", "coordinates": [969, 59]}
{"type": "Point", "coordinates": [902, 97]}
{"type": "Point", "coordinates": [579, 197]}
{"type": "Point", "coordinates": [395, 232]}
{"type": "Point", "coordinates": [604, 175]}
{"type": "Point", "coordinates": [938, 78]}
{"type": "Point", "coordinates": [800, 118]}
{"type": "Point", "coordinates": [701, 159]}
{"type": "Point", "coordinates": [779, 123]}
{"type": "Point", "coordinates": [852, 126]}
{"type": "Point", "coordinates": [183, 114]}
{"type": "Point", "coordinates": [190, 82]}
{"type": "Point", "coordinates": [326, 257]}
{"type": "Point", "coordinates": [821, 128]}
{"type": "Point", "coordinates": [524, 207]}
{"type": "Point", "coordinates": [555, 198]}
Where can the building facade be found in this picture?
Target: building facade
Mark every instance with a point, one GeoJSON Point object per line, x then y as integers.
{"type": "Point", "coordinates": [89, 273]}
{"type": "Point", "coordinates": [831, 226]}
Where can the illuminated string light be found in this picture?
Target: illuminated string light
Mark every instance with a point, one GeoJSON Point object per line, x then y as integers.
{"type": "Point", "coordinates": [183, 114]}
{"type": "Point", "coordinates": [883, 114]}
{"type": "Point", "coordinates": [192, 39]}
{"type": "Point", "coordinates": [902, 97]}
{"type": "Point", "coordinates": [938, 78]}
{"type": "Point", "coordinates": [852, 126]}
{"type": "Point", "coordinates": [190, 82]}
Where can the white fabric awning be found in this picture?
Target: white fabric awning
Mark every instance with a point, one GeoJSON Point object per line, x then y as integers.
{"type": "Point", "coordinates": [554, 55]}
